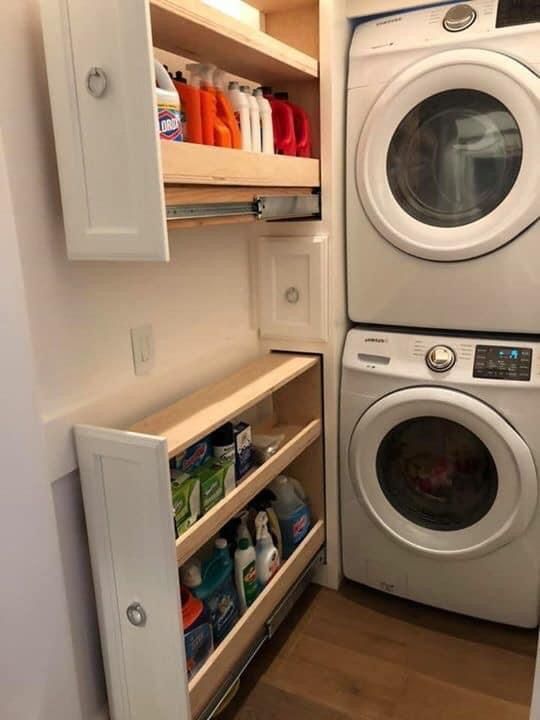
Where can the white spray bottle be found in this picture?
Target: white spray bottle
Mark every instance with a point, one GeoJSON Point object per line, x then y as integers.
{"type": "Point", "coordinates": [267, 556]}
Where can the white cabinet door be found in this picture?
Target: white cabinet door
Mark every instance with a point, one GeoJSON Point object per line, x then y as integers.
{"type": "Point", "coordinates": [107, 144]}
{"type": "Point", "coordinates": [128, 507]}
{"type": "Point", "coordinates": [293, 287]}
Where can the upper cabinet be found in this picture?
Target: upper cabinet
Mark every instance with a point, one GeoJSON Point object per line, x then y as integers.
{"type": "Point", "coordinates": [122, 187]}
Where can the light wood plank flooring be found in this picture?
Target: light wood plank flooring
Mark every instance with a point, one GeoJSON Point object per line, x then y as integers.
{"type": "Point", "coordinates": [362, 655]}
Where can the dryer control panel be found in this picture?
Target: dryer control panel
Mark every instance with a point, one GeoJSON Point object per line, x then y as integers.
{"type": "Point", "coordinates": [500, 362]}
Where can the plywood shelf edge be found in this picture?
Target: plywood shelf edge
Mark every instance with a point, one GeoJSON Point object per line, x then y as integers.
{"type": "Point", "coordinates": [192, 417]}
{"type": "Point", "coordinates": [187, 163]}
{"type": "Point", "coordinates": [195, 30]}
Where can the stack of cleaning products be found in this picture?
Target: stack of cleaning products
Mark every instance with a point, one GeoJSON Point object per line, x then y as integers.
{"type": "Point", "coordinates": [207, 110]}
{"type": "Point", "coordinates": [217, 589]}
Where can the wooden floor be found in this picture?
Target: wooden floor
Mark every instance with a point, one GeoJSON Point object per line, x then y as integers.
{"type": "Point", "coordinates": [362, 655]}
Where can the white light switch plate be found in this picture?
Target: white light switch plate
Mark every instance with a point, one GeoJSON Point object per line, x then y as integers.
{"type": "Point", "coordinates": [142, 345]}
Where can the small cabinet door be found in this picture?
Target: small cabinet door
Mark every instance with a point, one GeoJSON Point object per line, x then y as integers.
{"type": "Point", "coordinates": [292, 287]}
{"type": "Point", "coordinates": [128, 507]}
{"type": "Point", "coordinates": [101, 82]}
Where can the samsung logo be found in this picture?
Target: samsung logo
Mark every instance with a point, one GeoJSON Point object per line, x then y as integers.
{"type": "Point", "coordinates": [375, 340]}
{"type": "Point", "coordinates": [390, 20]}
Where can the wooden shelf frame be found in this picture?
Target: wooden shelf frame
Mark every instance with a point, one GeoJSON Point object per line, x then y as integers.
{"type": "Point", "coordinates": [202, 412]}
{"type": "Point", "coordinates": [298, 439]}
{"type": "Point", "coordinates": [194, 30]}
{"type": "Point", "coordinates": [224, 658]}
{"type": "Point", "coordinates": [190, 164]}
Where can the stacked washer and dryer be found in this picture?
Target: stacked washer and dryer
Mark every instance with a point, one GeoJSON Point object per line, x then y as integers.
{"type": "Point", "coordinates": [440, 400]}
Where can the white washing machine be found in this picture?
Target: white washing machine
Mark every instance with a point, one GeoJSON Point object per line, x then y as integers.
{"type": "Point", "coordinates": [443, 176]}
{"type": "Point", "coordinates": [440, 438]}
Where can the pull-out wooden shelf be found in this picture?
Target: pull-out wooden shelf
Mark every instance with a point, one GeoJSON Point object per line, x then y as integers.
{"type": "Point", "coordinates": [187, 163]}
{"type": "Point", "coordinates": [196, 415]}
{"type": "Point", "coordinates": [125, 478]}
{"type": "Point", "coordinates": [194, 30]}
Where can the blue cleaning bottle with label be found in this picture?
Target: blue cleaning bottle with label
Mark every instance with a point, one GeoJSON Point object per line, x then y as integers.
{"type": "Point", "coordinates": [215, 587]}
{"type": "Point", "coordinates": [292, 511]}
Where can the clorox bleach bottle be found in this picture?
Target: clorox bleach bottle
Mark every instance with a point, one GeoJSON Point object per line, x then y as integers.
{"type": "Point", "coordinates": [168, 105]}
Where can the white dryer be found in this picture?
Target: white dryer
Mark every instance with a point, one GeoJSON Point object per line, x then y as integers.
{"type": "Point", "coordinates": [440, 441]}
{"type": "Point", "coordinates": [443, 168]}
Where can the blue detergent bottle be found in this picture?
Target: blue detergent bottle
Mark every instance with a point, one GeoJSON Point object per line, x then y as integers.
{"type": "Point", "coordinates": [292, 512]}
{"type": "Point", "coordinates": [218, 592]}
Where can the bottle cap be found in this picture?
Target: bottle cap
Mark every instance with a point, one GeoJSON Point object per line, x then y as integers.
{"type": "Point", "coordinates": [223, 435]}
{"type": "Point", "coordinates": [233, 85]}
{"type": "Point", "coordinates": [191, 574]}
{"type": "Point", "coordinates": [243, 543]}
{"type": "Point", "coordinates": [281, 95]}
{"type": "Point", "coordinates": [179, 77]}
{"type": "Point", "coordinates": [221, 543]}
{"type": "Point", "coordinates": [245, 89]}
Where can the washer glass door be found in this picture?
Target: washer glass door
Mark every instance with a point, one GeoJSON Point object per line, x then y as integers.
{"type": "Point", "coordinates": [447, 159]}
{"type": "Point", "coordinates": [442, 472]}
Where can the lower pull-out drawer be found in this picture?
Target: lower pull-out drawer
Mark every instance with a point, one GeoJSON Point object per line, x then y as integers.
{"type": "Point", "coordinates": [135, 557]}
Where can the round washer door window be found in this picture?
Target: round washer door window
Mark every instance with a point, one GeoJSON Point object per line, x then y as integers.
{"type": "Point", "coordinates": [454, 158]}
{"type": "Point", "coordinates": [437, 473]}
{"type": "Point", "coordinates": [442, 472]}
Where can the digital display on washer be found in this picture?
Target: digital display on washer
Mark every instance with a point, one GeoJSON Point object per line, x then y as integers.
{"type": "Point", "coordinates": [502, 362]}
{"type": "Point", "coordinates": [517, 12]}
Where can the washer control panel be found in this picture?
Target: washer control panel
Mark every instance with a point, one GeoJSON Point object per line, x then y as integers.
{"type": "Point", "coordinates": [500, 362]}
{"type": "Point", "coordinates": [459, 18]}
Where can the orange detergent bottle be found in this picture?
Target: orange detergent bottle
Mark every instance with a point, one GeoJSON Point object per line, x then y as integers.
{"type": "Point", "coordinates": [225, 109]}
{"type": "Point", "coordinates": [221, 132]}
{"type": "Point", "coordinates": [208, 104]}
{"type": "Point", "coordinates": [191, 107]}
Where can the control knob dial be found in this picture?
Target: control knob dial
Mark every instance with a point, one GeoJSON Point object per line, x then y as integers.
{"type": "Point", "coordinates": [441, 358]}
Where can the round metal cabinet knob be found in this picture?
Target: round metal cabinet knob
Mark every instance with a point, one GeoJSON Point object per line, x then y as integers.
{"type": "Point", "coordinates": [459, 18]}
{"type": "Point", "coordinates": [441, 358]}
{"type": "Point", "coordinates": [136, 614]}
{"type": "Point", "coordinates": [292, 295]}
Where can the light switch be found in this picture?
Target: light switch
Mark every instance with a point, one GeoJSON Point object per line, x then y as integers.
{"type": "Point", "coordinates": [142, 345]}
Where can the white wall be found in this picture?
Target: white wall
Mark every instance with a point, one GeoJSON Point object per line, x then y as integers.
{"type": "Point", "coordinates": [79, 315]}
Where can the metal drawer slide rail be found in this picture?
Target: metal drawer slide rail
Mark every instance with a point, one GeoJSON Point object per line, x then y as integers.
{"type": "Point", "coordinates": [267, 632]}
{"type": "Point", "coordinates": [263, 208]}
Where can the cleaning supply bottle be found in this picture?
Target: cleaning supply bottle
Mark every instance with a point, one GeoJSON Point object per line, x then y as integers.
{"type": "Point", "coordinates": [168, 105]}
{"type": "Point", "coordinates": [208, 103]}
{"type": "Point", "coordinates": [245, 573]}
{"type": "Point", "coordinates": [266, 554]}
{"type": "Point", "coordinates": [282, 123]}
{"type": "Point", "coordinates": [240, 104]}
{"type": "Point", "coordinates": [198, 639]}
{"type": "Point", "coordinates": [213, 584]}
{"type": "Point", "coordinates": [191, 107]}
{"type": "Point", "coordinates": [243, 530]}
{"type": "Point", "coordinates": [302, 126]}
{"type": "Point", "coordinates": [263, 502]}
{"type": "Point", "coordinates": [222, 133]}
{"type": "Point", "coordinates": [254, 119]}
{"type": "Point", "coordinates": [267, 130]}
{"type": "Point", "coordinates": [293, 512]}
{"type": "Point", "coordinates": [225, 109]}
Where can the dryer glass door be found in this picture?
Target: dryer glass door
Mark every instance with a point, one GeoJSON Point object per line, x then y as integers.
{"type": "Point", "coordinates": [442, 472]}
{"type": "Point", "coordinates": [446, 163]}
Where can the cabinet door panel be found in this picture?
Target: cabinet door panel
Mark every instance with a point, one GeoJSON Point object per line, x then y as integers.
{"type": "Point", "coordinates": [107, 147]}
{"type": "Point", "coordinates": [293, 287]}
{"type": "Point", "coordinates": [128, 507]}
